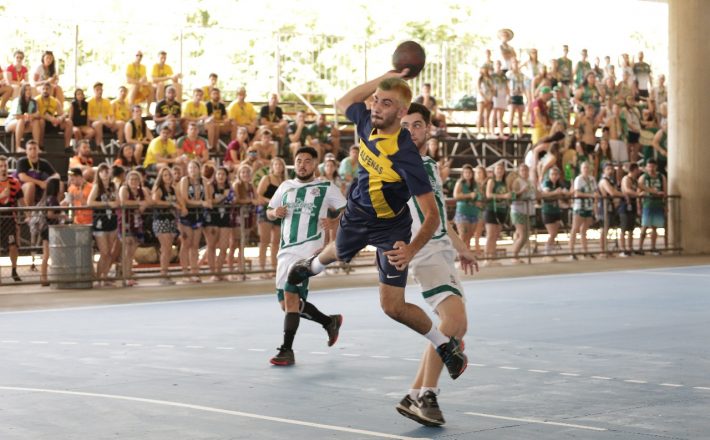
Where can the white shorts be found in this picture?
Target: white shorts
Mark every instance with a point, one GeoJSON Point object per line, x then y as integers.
{"type": "Point", "coordinates": [284, 260]}
{"type": "Point", "coordinates": [619, 152]}
{"type": "Point", "coordinates": [438, 277]}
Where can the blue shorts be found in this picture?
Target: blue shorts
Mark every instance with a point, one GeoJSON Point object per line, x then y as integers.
{"type": "Point", "coordinates": [359, 229]}
{"type": "Point", "coordinates": [652, 217]}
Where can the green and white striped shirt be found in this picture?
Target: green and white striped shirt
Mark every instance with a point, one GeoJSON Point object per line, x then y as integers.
{"type": "Point", "coordinates": [307, 203]}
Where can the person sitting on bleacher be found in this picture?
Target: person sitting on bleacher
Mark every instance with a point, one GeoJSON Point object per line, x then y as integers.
{"type": "Point", "coordinates": [125, 157]}
{"type": "Point", "coordinates": [24, 117]}
{"type": "Point", "coordinates": [54, 118]}
{"type": "Point", "coordinates": [272, 116]}
{"type": "Point", "coordinates": [33, 172]}
{"type": "Point", "coordinates": [161, 152]}
{"type": "Point", "coordinates": [121, 110]}
{"type": "Point", "coordinates": [242, 112]}
{"type": "Point", "coordinates": [206, 89]}
{"type": "Point", "coordinates": [167, 113]}
{"type": "Point", "coordinates": [16, 74]}
{"type": "Point", "coordinates": [47, 73]}
{"type": "Point", "coordinates": [82, 159]}
{"type": "Point", "coordinates": [325, 136]}
{"type": "Point", "coordinates": [79, 115]}
{"type": "Point", "coordinates": [140, 89]}
{"type": "Point", "coordinates": [101, 116]}
{"type": "Point", "coordinates": [162, 75]}
{"type": "Point", "coordinates": [195, 111]}
{"type": "Point", "coordinates": [192, 147]}
{"type": "Point", "coordinates": [217, 122]}
{"type": "Point", "coordinates": [5, 94]}
{"type": "Point", "coordinates": [137, 133]}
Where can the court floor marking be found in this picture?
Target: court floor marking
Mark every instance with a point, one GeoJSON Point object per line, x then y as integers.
{"type": "Point", "coordinates": [674, 274]}
{"type": "Point", "coordinates": [212, 410]}
{"type": "Point", "coordinates": [15, 342]}
{"type": "Point", "coordinates": [537, 421]}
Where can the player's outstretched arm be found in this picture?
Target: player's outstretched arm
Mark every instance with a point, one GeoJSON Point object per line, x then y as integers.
{"type": "Point", "coordinates": [361, 92]}
{"type": "Point", "coordinates": [469, 264]}
{"type": "Point", "coordinates": [403, 253]}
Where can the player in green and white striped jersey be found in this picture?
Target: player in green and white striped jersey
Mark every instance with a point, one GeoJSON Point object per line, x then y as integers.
{"type": "Point", "coordinates": [433, 267]}
{"type": "Point", "coordinates": [302, 204]}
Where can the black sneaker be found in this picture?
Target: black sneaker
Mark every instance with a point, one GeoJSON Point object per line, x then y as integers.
{"type": "Point", "coordinates": [642, 253]}
{"type": "Point", "coordinates": [300, 271]}
{"type": "Point", "coordinates": [407, 406]}
{"type": "Point", "coordinates": [333, 329]}
{"type": "Point", "coordinates": [283, 358]}
{"type": "Point", "coordinates": [427, 408]}
{"type": "Point", "coordinates": [15, 276]}
{"type": "Point", "coordinates": [453, 357]}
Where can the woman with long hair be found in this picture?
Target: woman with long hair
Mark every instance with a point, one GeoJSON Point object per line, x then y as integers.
{"type": "Point", "coordinates": [23, 117]}
{"type": "Point", "coordinates": [133, 202]}
{"type": "Point", "coordinates": [104, 199]}
{"type": "Point", "coordinates": [47, 73]}
{"type": "Point", "coordinates": [236, 150]}
{"type": "Point", "coordinates": [522, 209]}
{"type": "Point", "coordinates": [243, 213]}
{"type": "Point", "coordinates": [485, 100]}
{"type": "Point", "coordinates": [467, 212]}
{"type": "Point", "coordinates": [498, 195]}
{"type": "Point", "coordinates": [193, 199]}
{"type": "Point", "coordinates": [218, 229]}
{"type": "Point", "coordinates": [79, 114]}
{"type": "Point", "coordinates": [269, 230]}
{"type": "Point", "coordinates": [166, 203]}
{"type": "Point", "coordinates": [126, 158]}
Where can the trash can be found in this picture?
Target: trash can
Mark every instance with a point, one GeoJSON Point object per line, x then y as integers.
{"type": "Point", "coordinates": [71, 251]}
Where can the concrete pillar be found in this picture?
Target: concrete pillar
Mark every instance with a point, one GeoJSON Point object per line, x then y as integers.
{"type": "Point", "coordinates": [689, 122]}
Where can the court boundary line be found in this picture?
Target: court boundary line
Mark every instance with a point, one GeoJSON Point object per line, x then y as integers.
{"type": "Point", "coordinates": [472, 282]}
{"type": "Point", "coordinates": [536, 421]}
{"type": "Point", "coordinates": [214, 410]}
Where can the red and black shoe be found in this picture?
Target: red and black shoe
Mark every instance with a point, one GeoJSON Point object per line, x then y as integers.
{"type": "Point", "coordinates": [283, 358]}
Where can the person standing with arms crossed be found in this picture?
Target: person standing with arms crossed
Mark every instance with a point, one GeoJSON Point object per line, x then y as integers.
{"type": "Point", "coordinates": [376, 213]}
{"type": "Point", "coordinates": [434, 268]}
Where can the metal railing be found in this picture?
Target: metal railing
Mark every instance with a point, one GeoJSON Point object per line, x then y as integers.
{"type": "Point", "coordinates": [602, 226]}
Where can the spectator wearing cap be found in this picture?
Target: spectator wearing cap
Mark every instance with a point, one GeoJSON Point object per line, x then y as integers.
{"type": "Point", "coordinates": [540, 117]}
{"type": "Point", "coordinates": [82, 159]}
{"type": "Point", "coordinates": [101, 116]}
{"type": "Point", "coordinates": [560, 108]}
{"type": "Point", "coordinates": [78, 196]}
{"type": "Point", "coordinates": [162, 74]}
{"type": "Point", "coordinates": [264, 143]}
{"type": "Point", "coordinates": [139, 88]}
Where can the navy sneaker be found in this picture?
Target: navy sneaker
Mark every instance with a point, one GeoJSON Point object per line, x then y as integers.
{"type": "Point", "coordinates": [300, 271]}
{"type": "Point", "coordinates": [453, 357]}
{"type": "Point", "coordinates": [333, 329]}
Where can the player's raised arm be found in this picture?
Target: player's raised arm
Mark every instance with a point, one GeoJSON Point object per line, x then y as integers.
{"type": "Point", "coordinates": [361, 92]}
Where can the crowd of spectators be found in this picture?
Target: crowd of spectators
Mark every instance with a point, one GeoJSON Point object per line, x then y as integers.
{"type": "Point", "coordinates": [593, 136]}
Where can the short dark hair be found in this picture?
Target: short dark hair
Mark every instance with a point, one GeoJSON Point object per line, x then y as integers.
{"type": "Point", "coordinates": [422, 110]}
{"type": "Point", "coordinates": [651, 162]}
{"type": "Point", "coordinates": [633, 166]}
{"type": "Point", "coordinates": [307, 150]}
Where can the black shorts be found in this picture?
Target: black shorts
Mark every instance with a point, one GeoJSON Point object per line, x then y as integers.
{"type": "Point", "coordinates": [359, 229]}
{"type": "Point", "coordinates": [214, 218]}
{"type": "Point", "coordinates": [551, 217]}
{"type": "Point", "coordinates": [495, 217]}
{"type": "Point", "coordinates": [643, 93]}
{"type": "Point", "coordinates": [49, 128]}
{"type": "Point", "coordinates": [104, 224]}
{"type": "Point", "coordinates": [611, 218]}
{"type": "Point", "coordinates": [587, 148]}
{"type": "Point", "coordinates": [633, 137]}
{"type": "Point", "coordinates": [627, 220]}
{"type": "Point", "coordinates": [8, 232]}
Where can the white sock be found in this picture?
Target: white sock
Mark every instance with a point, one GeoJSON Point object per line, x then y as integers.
{"type": "Point", "coordinates": [414, 394]}
{"type": "Point", "coordinates": [436, 337]}
{"type": "Point", "coordinates": [316, 266]}
{"type": "Point", "coordinates": [425, 389]}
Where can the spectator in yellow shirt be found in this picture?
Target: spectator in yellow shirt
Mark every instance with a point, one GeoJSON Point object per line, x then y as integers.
{"type": "Point", "coordinates": [242, 112]}
{"type": "Point", "coordinates": [119, 106]}
{"type": "Point", "coordinates": [139, 89]}
{"type": "Point", "coordinates": [195, 111]}
{"type": "Point", "coordinates": [54, 118]}
{"type": "Point", "coordinates": [101, 116]}
{"type": "Point", "coordinates": [206, 89]}
{"type": "Point", "coordinates": [162, 76]}
{"type": "Point", "coordinates": [161, 152]}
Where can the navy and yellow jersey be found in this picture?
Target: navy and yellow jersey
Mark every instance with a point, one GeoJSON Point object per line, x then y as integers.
{"type": "Point", "coordinates": [391, 168]}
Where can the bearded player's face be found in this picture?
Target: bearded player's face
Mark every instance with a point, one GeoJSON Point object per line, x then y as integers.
{"type": "Point", "coordinates": [386, 109]}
